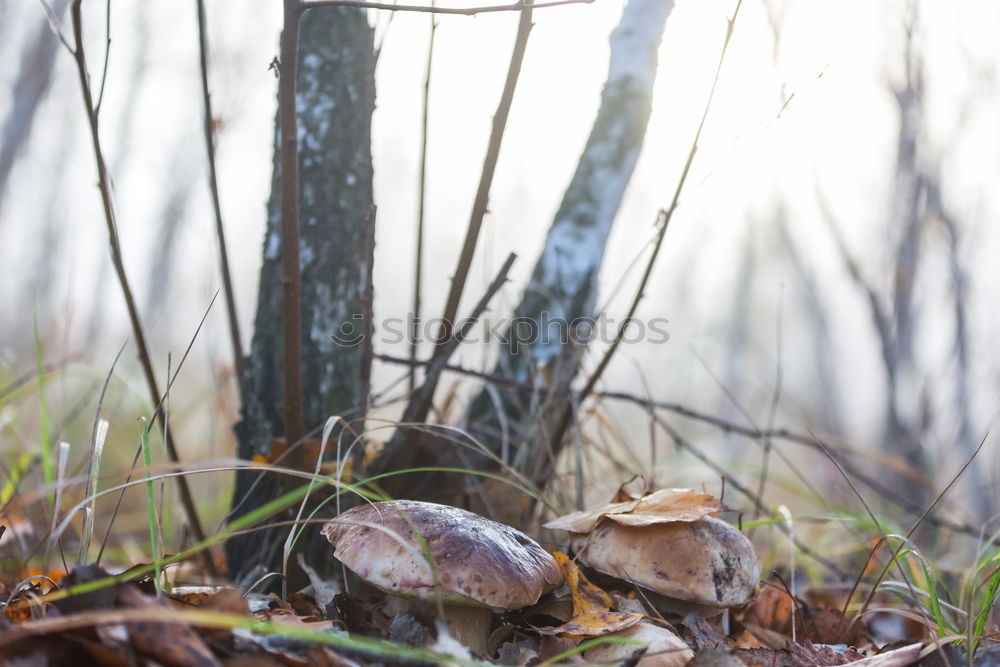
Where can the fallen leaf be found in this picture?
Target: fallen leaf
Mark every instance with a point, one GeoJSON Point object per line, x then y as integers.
{"type": "Point", "coordinates": [227, 601]}
{"type": "Point", "coordinates": [586, 596]}
{"type": "Point", "coordinates": [746, 639]}
{"type": "Point", "coordinates": [592, 607]}
{"type": "Point", "coordinates": [765, 657]}
{"type": "Point", "coordinates": [550, 647]}
{"type": "Point", "coordinates": [594, 624]}
{"type": "Point", "coordinates": [715, 658]}
{"type": "Point", "coordinates": [823, 655]}
{"type": "Point", "coordinates": [766, 638]}
{"type": "Point", "coordinates": [166, 643]}
{"type": "Point", "coordinates": [292, 620]}
{"type": "Point", "coordinates": [663, 506]}
{"type": "Point", "coordinates": [304, 605]}
{"type": "Point", "coordinates": [900, 657]}
{"type": "Point", "coordinates": [194, 596]}
{"type": "Point", "coordinates": [701, 634]}
{"type": "Point", "coordinates": [773, 611]}
{"type": "Point", "coordinates": [517, 653]}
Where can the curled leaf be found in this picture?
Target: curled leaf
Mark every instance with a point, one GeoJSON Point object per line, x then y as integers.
{"type": "Point", "coordinates": [592, 606]}
{"type": "Point", "coordinates": [594, 624]}
{"type": "Point", "coordinates": [586, 596]}
{"type": "Point", "coordinates": [663, 506]}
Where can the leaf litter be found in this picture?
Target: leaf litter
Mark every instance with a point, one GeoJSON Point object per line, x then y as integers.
{"type": "Point", "coordinates": [126, 623]}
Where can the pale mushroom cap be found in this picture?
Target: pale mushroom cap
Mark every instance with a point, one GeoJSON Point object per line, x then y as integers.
{"type": "Point", "coordinates": [478, 561]}
{"type": "Point", "coordinates": [663, 648]}
{"type": "Point", "coordinates": [708, 561]}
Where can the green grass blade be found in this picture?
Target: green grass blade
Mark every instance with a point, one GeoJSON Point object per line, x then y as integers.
{"type": "Point", "coordinates": [985, 607]}
{"type": "Point", "coordinates": [100, 437]}
{"type": "Point", "coordinates": [24, 462]}
{"type": "Point", "coordinates": [48, 469]}
{"type": "Point", "coordinates": [934, 602]}
{"type": "Point", "coordinates": [154, 541]}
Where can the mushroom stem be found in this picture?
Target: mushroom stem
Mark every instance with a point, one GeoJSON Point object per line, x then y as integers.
{"type": "Point", "coordinates": [470, 626]}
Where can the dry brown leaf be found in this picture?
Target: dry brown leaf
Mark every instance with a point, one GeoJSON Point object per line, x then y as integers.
{"type": "Point", "coordinates": [194, 596]}
{"type": "Point", "coordinates": [291, 619]}
{"type": "Point", "coordinates": [900, 657]}
{"type": "Point", "coordinates": [227, 601]}
{"type": "Point", "coordinates": [586, 596]}
{"type": "Point", "coordinates": [745, 639]}
{"type": "Point", "coordinates": [701, 634]}
{"type": "Point", "coordinates": [822, 655]}
{"type": "Point", "coordinates": [167, 643]}
{"type": "Point", "coordinates": [550, 647]}
{"type": "Point", "coordinates": [592, 606]}
{"type": "Point", "coordinates": [594, 624]}
{"type": "Point", "coordinates": [764, 657]}
{"type": "Point", "coordinates": [766, 638]}
{"type": "Point", "coordinates": [773, 610]}
{"type": "Point", "coordinates": [19, 610]}
{"type": "Point", "coordinates": [663, 506]}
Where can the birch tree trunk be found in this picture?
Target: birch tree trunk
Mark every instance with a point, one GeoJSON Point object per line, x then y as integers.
{"type": "Point", "coordinates": [539, 348]}
{"type": "Point", "coordinates": [336, 99]}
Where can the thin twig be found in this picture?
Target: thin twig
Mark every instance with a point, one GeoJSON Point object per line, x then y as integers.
{"type": "Point", "coordinates": [913, 529]}
{"type": "Point", "coordinates": [89, 487]}
{"type": "Point", "coordinates": [213, 186]}
{"type": "Point", "coordinates": [432, 9]}
{"type": "Point", "coordinates": [104, 185]}
{"type": "Point", "coordinates": [481, 203]}
{"type": "Point", "coordinates": [682, 443]}
{"type": "Point", "coordinates": [775, 399]}
{"type": "Point", "coordinates": [368, 317]}
{"type": "Point", "coordinates": [663, 220]}
{"type": "Point", "coordinates": [163, 426]}
{"type": "Point", "coordinates": [751, 432]}
{"type": "Point", "coordinates": [418, 251]}
{"type": "Point", "coordinates": [107, 56]}
{"type": "Point", "coordinates": [883, 537]}
{"type": "Point", "coordinates": [398, 450]}
{"type": "Point", "coordinates": [291, 278]}
{"type": "Point", "coordinates": [56, 26]}
{"type": "Point", "coordinates": [28, 376]}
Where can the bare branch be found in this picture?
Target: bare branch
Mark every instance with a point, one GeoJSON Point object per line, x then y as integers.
{"type": "Point", "coordinates": [107, 56]}
{"type": "Point", "coordinates": [750, 432]}
{"type": "Point", "coordinates": [663, 220]}
{"type": "Point", "coordinates": [398, 451]}
{"type": "Point", "coordinates": [290, 267]}
{"type": "Point", "coordinates": [481, 202]}
{"type": "Point", "coordinates": [525, 5]}
{"type": "Point", "coordinates": [418, 251]}
{"type": "Point", "coordinates": [213, 185]}
{"type": "Point", "coordinates": [104, 184]}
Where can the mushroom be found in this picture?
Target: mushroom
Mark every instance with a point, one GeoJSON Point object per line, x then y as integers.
{"type": "Point", "coordinates": [663, 648]}
{"type": "Point", "coordinates": [477, 566]}
{"type": "Point", "coordinates": [707, 563]}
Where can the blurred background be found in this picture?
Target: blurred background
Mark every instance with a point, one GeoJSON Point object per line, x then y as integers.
{"type": "Point", "coordinates": [831, 267]}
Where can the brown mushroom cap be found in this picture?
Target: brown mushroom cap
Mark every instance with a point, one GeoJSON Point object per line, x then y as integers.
{"type": "Point", "coordinates": [708, 562]}
{"type": "Point", "coordinates": [478, 561]}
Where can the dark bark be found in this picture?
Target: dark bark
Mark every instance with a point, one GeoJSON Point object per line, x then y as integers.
{"type": "Point", "coordinates": [336, 98]}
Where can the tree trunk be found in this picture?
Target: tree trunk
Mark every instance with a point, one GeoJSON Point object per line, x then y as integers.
{"type": "Point", "coordinates": [336, 99]}
{"type": "Point", "coordinates": [542, 347]}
